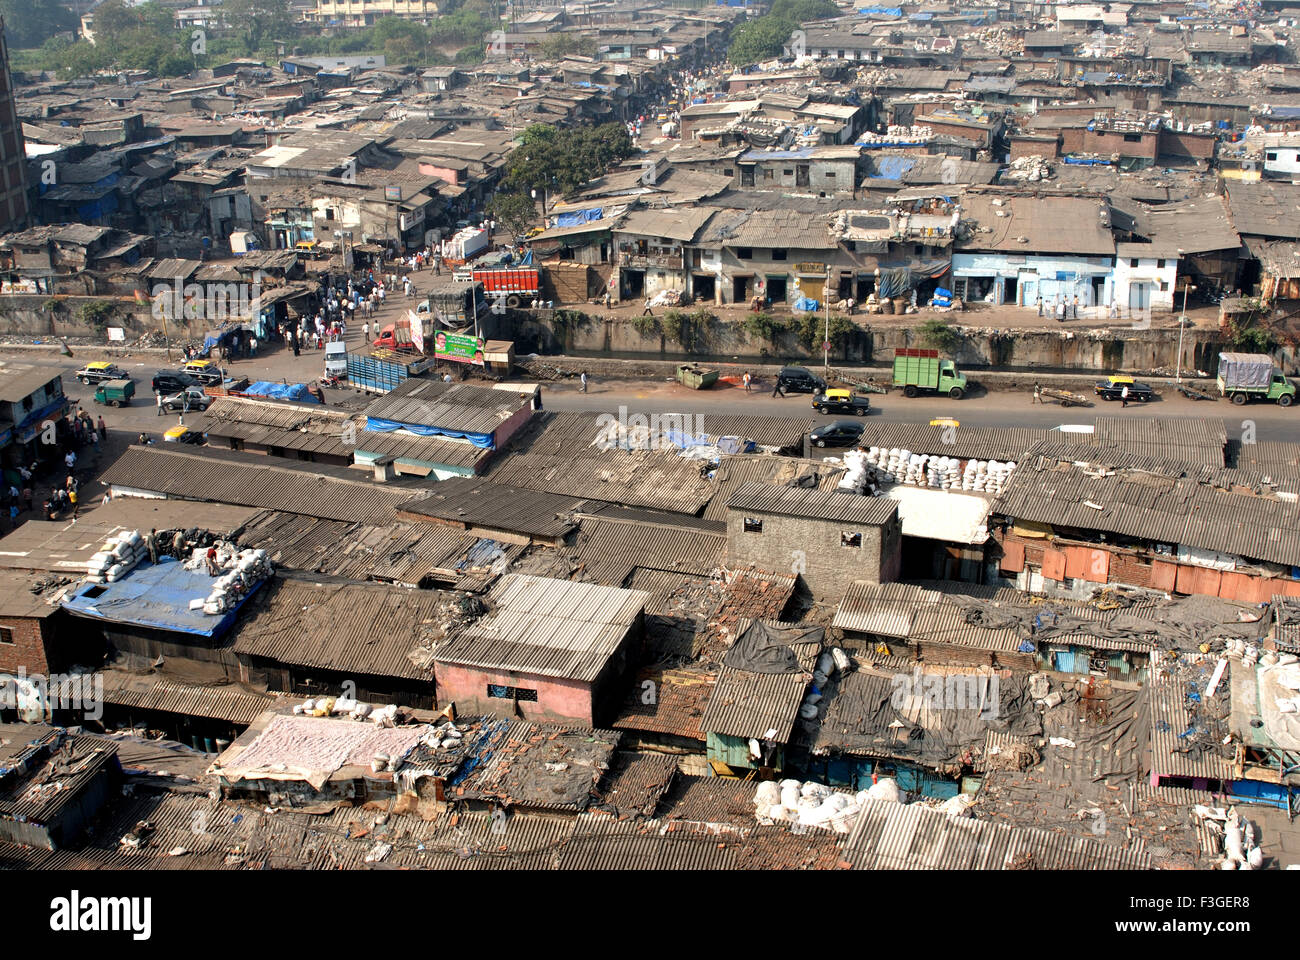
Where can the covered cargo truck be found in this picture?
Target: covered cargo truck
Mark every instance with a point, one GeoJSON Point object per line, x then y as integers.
{"type": "Point", "coordinates": [380, 372]}
{"type": "Point", "coordinates": [465, 244]}
{"type": "Point", "coordinates": [1252, 376]}
{"type": "Point", "coordinates": [917, 369]}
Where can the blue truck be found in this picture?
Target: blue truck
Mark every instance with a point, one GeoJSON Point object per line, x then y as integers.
{"type": "Point", "coordinates": [380, 371]}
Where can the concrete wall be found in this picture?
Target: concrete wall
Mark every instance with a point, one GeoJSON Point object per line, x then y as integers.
{"type": "Point", "coordinates": [1091, 345]}
{"type": "Point", "coordinates": [558, 700]}
{"type": "Point", "coordinates": [28, 316]}
{"type": "Point", "coordinates": [1155, 273]}
{"type": "Point", "coordinates": [813, 548]}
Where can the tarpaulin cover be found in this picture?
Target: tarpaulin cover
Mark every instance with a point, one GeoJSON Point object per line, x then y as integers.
{"type": "Point", "coordinates": [1087, 161]}
{"type": "Point", "coordinates": [155, 595]}
{"type": "Point", "coordinates": [481, 440]}
{"type": "Point", "coordinates": [1253, 371]}
{"type": "Point", "coordinates": [807, 303]}
{"type": "Point", "coordinates": [281, 391]}
{"type": "Point", "coordinates": [527, 260]}
{"type": "Point", "coordinates": [893, 168]}
{"type": "Point", "coordinates": [764, 648]}
{"type": "Point", "coordinates": [895, 283]}
{"type": "Point", "coordinates": [577, 218]}
{"type": "Point", "coordinates": [929, 718]}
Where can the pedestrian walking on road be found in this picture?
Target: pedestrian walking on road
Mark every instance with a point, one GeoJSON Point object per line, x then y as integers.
{"type": "Point", "coordinates": [777, 390]}
{"type": "Point", "coordinates": [158, 394]}
{"type": "Point", "coordinates": [1038, 394]}
{"type": "Point", "coordinates": [584, 381]}
{"type": "Point", "coordinates": [103, 429]}
{"type": "Point", "coordinates": [1123, 396]}
{"type": "Point", "coordinates": [748, 381]}
{"type": "Point", "coordinates": [1040, 306]}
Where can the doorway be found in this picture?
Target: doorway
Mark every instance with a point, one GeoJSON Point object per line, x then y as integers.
{"type": "Point", "coordinates": [776, 289]}
{"type": "Point", "coordinates": [740, 289]}
{"type": "Point", "coordinates": [704, 287]}
{"type": "Point", "coordinates": [1139, 295]}
{"type": "Point", "coordinates": [633, 284]}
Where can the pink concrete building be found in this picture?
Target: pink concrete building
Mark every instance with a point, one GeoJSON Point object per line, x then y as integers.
{"type": "Point", "coordinates": [547, 650]}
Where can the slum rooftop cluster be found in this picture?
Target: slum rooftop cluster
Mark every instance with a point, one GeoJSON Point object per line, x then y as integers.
{"type": "Point", "coordinates": [601, 631]}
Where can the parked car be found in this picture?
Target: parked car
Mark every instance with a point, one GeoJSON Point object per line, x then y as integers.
{"type": "Point", "coordinates": [170, 381]}
{"type": "Point", "coordinates": [191, 398]}
{"type": "Point", "coordinates": [800, 380]}
{"type": "Point", "coordinates": [99, 371]}
{"type": "Point", "coordinates": [1112, 388]}
{"type": "Point", "coordinates": [837, 433]}
{"type": "Point", "coordinates": [840, 401]}
{"type": "Point", "coordinates": [204, 371]}
{"type": "Point", "coordinates": [183, 435]}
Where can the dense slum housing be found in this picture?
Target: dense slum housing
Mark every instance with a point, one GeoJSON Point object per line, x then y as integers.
{"type": "Point", "coordinates": [473, 634]}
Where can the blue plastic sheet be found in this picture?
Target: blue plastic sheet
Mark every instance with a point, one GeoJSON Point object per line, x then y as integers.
{"type": "Point", "coordinates": [482, 440]}
{"type": "Point", "coordinates": [281, 391]}
{"type": "Point", "coordinates": [577, 218]}
{"type": "Point", "coordinates": [807, 303]}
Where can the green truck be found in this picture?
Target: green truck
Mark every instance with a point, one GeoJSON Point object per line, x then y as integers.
{"type": "Point", "coordinates": [917, 369]}
{"type": "Point", "coordinates": [115, 393]}
{"type": "Point", "coordinates": [1252, 376]}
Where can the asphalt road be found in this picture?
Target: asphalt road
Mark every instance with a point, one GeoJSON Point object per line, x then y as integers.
{"type": "Point", "coordinates": [997, 408]}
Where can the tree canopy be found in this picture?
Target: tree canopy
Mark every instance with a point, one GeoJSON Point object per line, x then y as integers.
{"type": "Point", "coordinates": [514, 211]}
{"type": "Point", "coordinates": [563, 160]}
{"type": "Point", "coordinates": [766, 37]}
{"type": "Point", "coordinates": [29, 23]}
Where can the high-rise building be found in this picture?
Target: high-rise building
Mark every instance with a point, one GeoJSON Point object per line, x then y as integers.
{"type": "Point", "coordinates": [13, 155]}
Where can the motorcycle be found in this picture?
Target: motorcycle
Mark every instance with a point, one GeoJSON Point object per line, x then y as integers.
{"type": "Point", "coordinates": [328, 380]}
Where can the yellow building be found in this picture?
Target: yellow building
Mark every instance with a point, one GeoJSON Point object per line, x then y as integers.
{"type": "Point", "coordinates": [362, 13]}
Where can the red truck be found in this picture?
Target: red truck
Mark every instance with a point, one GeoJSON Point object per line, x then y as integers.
{"type": "Point", "coordinates": [518, 285]}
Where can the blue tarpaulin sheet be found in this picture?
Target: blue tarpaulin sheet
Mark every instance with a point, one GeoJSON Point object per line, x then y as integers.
{"type": "Point", "coordinates": [481, 440]}
{"type": "Point", "coordinates": [884, 11]}
{"type": "Point", "coordinates": [577, 218]}
{"type": "Point", "coordinates": [1087, 161]}
{"type": "Point", "coordinates": [281, 391]}
{"type": "Point", "coordinates": [155, 595]}
{"type": "Point", "coordinates": [527, 260]}
{"type": "Point", "coordinates": [889, 145]}
{"type": "Point", "coordinates": [806, 303]}
{"type": "Point", "coordinates": [892, 168]}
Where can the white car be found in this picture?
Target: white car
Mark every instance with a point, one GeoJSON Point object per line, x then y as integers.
{"type": "Point", "coordinates": [191, 398]}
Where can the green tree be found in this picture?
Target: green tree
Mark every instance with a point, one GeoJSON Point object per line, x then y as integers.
{"type": "Point", "coordinates": [552, 158]}
{"type": "Point", "coordinates": [515, 211]}
{"type": "Point", "coordinates": [29, 23]}
{"type": "Point", "coordinates": [803, 11]}
{"type": "Point", "coordinates": [259, 20]}
{"type": "Point", "coordinates": [760, 39]}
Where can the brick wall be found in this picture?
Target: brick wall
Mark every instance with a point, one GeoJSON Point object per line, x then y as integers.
{"type": "Point", "coordinates": [28, 647]}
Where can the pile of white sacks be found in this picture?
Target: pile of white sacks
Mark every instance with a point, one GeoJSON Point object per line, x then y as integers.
{"type": "Point", "coordinates": [926, 470]}
{"type": "Point", "coordinates": [817, 805]}
{"type": "Point", "coordinates": [1241, 849]}
{"type": "Point", "coordinates": [116, 557]}
{"type": "Point", "coordinates": [244, 569]}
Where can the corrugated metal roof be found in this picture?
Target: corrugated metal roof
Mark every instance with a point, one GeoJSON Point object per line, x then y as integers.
{"type": "Point", "coordinates": [610, 550]}
{"type": "Point", "coordinates": [224, 702]}
{"type": "Point", "coordinates": [894, 836]}
{"type": "Point", "coordinates": [815, 504]}
{"type": "Point", "coordinates": [1169, 722]}
{"type": "Point", "coordinates": [249, 480]}
{"type": "Point", "coordinates": [63, 767]}
{"type": "Point", "coordinates": [747, 704]}
{"type": "Point", "coordinates": [454, 406]}
{"type": "Point", "coordinates": [348, 628]}
{"type": "Point", "coordinates": [735, 471]}
{"type": "Point", "coordinates": [1153, 506]}
{"type": "Point", "coordinates": [556, 628]}
{"type": "Point", "coordinates": [479, 503]}
{"type": "Point", "coordinates": [659, 480]}
{"type": "Point", "coordinates": [321, 431]}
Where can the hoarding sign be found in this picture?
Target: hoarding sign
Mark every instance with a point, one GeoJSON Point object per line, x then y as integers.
{"type": "Point", "coordinates": [458, 347]}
